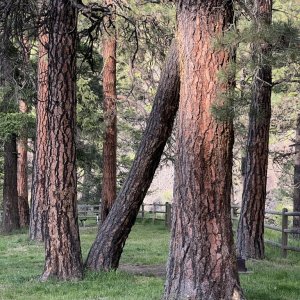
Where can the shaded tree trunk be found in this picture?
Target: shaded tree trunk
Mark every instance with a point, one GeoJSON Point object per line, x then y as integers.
{"type": "Point", "coordinates": [110, 116]}
{"type": "Point", "coordinates": [296, 196]}
{"type": "Point", "coordinates": [63, 253]}
{"type": "Point", "coordinates": [38, 191]}
{"type": "Point", "coordinates": [11, 218]}
{"type": "Point", "coordinates": [22, 172]}
{"type": "Point", "coordinates": [202, 263]}
{"type": "Point", "coordinates": [106, 251]}
{"type": "Point", "coordinates": [250, 236]}
{"type": "Point", "coordinates": [87, 183]}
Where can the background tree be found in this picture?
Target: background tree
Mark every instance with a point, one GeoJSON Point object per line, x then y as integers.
{"type": "Point", "coordinates": [22, 183]}
{"type": "Point", "coordinates": [22, 147]}
{"type": "Point", "coordinates": [11, 218]}
{"type": "Point", "coordinates": [110, 113]}
{"type": "Point", "coordinates": [38, 192]}
{"type": "Point", "coordinates": [296, 195]}
{"type": "Point", "coordinates": [250, 241]}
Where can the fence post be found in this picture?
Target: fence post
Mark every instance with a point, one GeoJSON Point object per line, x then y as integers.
{"type": "Point", "coordinates": [168, 215]}
{"type": "Point", "coordinates": [284, 235]}
{"type": "Point", "coordinates": [154, 212]}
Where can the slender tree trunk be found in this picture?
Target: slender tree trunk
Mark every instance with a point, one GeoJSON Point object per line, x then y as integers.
{"type": "Point", "coordinates": [38, 191]}
{"type": "Point", "coordinates": [108, 246]}
{"type": "Point", "coordinates": [296, 196]}
{"type": "Point", "coordinates": [11, 218]}
{"type": "Point", "coordinates": [86, 184]}
{"type": "Point", "coordinates": [63, 253]}
{"type": "Point", "coordinates": [202, 263]}
{"type": "Point", "coordinates": [22, 172]}
{"type": "Point", "coordinates": [250, 237]}
{"type": "Point", "coordinates": [110, 117]}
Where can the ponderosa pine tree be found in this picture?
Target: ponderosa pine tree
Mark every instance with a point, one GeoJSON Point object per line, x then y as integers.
{"type": "Point", "coordinates": [38, 191]}
{"type": "Point", "coordinates": [11, 218]}
{"type": "Point", "coordinates": [63, 258]}
{"type": "Point", "coordinates": [202, 262]}
{"type": "Point", "coordinates": [110, 113]}
{"type": "Point", "coordinates": [22, 184]}
{"type": "Point", "coordinates": [250, 236]}
{"type": "Point", "coordinates": [296, 195]}
{"type": "Point", "coordinates": [22, 152]}
{"type": "Point", "coordinates": [106, 250]}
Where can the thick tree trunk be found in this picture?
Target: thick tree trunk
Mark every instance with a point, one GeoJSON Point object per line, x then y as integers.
{"type": "Point", "coordinates": [202, 262]}
{"type": "Point", "coordinates": [108, 246]}
{"type": "Point", "coordinates": [38, 191]}
{"type": "Point", "coordinates": [110, 117]}
{"type": "Point", "coordinates": [10, 219]}
{"type": "Point", "coordinates": [63, 253]}
{"type": "Point", "coordinates": [250, 237]}
{"type": "Point", "coordinates": [22, 172]}
{"type": "Point", "coordinates": [296, 196]}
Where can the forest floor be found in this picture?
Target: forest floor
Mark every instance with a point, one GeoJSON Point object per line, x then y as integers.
{"type": "Point", "coordinates": [141, 276]}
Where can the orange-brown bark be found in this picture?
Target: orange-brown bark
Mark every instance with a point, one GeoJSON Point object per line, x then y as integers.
{"type": "Point", "coordinates": [202, 262]}
{"type": "Point", "coordinates": [110, 116]}
{"type": "Point", "coordinates": [22, 185]}
{"type": "Point", "coordinates": [38, 192]}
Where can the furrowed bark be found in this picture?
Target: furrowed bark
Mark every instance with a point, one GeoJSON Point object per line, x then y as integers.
{"type": "Point", "coordinates": [110, 116]}
{"type": "Point", "coordinates": [22, 172]}
{"type": "Point", "coordinates": [250, 236]}
{"type": "Point", "coordinates": [106, 251]}
{"type": "Point", "coordinates": [10, 219]}
{"type": "Point", "coordinates": [63, 253]}
{"type": "Point", "coordinates": [38, 191]}
{"type": "Point", "coordinates": [202, 262]}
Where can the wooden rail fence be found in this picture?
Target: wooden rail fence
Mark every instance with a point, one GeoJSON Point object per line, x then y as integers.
{"type": "Point", "coordinates": [156, 211]}
{"type": "Point", "coordinates": [284, 229]}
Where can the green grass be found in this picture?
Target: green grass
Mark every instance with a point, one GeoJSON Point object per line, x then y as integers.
{"type": "Point", "coordinates": [21, 263]}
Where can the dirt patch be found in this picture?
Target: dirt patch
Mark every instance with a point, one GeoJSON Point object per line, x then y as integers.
{"type": "Point", "coordinates": [145, 270]}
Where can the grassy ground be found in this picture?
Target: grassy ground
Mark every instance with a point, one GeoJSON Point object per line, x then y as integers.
{"type": "Point", "coordinates": [21, 262]}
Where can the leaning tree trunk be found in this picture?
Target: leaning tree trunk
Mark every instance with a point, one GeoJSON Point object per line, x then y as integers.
{"type": "Point", "coordinates": [250, 236]}
{"type": "Point", "coordinates": [296, 196]}
{"type": "Point", "coordinates": [108, 246]}
{"type": "Point", "coordinates": [110, 116]}
{"type": "Point", "coordinates": [10, 219]}
{"type": "Point", "coordinates": [202, 262]}
{"type": "Point", "coordinates": [22, 172]}
{"type": "Point", "coordinates": [38, 191]}
{"type": "Point", "coordinates": [63, 252]}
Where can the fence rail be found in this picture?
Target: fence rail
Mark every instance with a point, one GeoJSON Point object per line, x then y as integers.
{"type": "Point", "coordinates": [157, 211]}
{"type": "Point", "coordinates": [283, 229]}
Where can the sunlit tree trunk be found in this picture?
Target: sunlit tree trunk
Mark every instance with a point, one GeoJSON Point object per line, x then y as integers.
{"type": "Point", "coordinates": [250, 237]}
{"type": "Point", "coordinates": [38, 191]}
{"type": "Point", "coordinates": [106, 251]}
{"type": "Point", "coordinates": [110, 115]}
{"type": "Point", "coordinates": [202, 262]}
{"type": "Point", "coordinates": [63, 253]}
{"type": "Point", "coordinates": [11, 218]}
{"type": "Point", "coordinates": [22, 172]}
